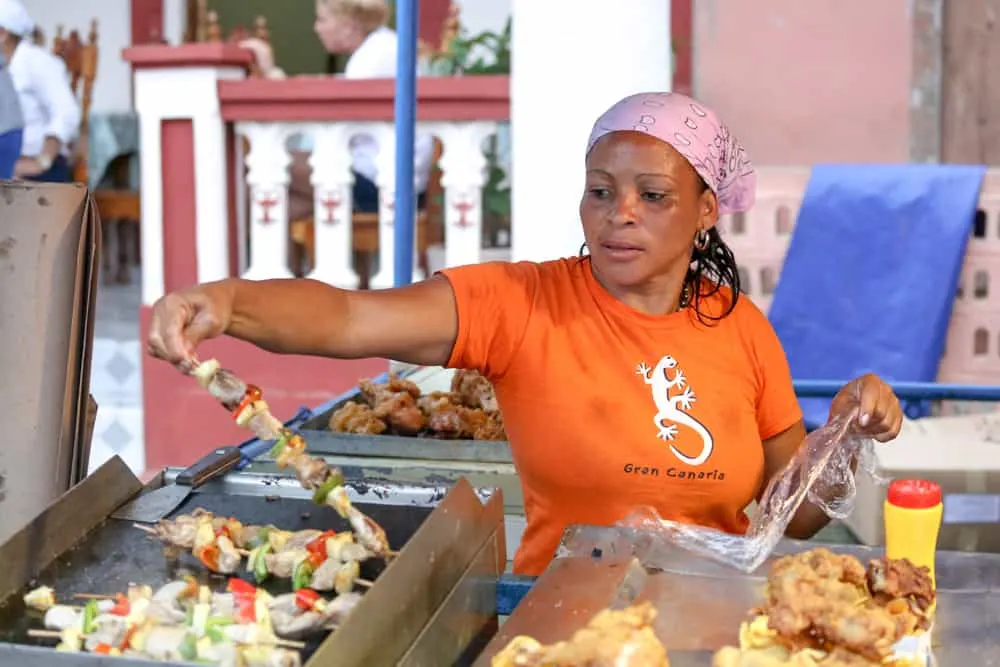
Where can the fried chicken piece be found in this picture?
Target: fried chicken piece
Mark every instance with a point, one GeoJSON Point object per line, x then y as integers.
{"type": "Point", "coordinates": [400, 411]}
{"type": "Point", "coordinates": [903, 589]}
{"type": "Point", "coordinates": [437, 400]}
{"type": "Point", "coordinates": [457, 421]}
{"type": "Point", "coordinates": [356, 418]}
{"type": "Point", "coordinates": [377, 393]}
{"type": "Point", "coordinates": [474, 390]}
{"type": "Point", "coordinates": [779, 656]}
{"type": "Point", "coordinates": [819, 599]}
{"type": "Point", "coordinates": [613, 638]}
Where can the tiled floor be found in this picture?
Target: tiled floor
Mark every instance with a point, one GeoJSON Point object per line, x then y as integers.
{"type": "Point", "coordinates": [116, 377]}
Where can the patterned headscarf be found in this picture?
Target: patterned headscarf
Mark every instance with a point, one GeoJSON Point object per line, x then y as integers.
{"type": "Point", "coordinates": [696, 133]}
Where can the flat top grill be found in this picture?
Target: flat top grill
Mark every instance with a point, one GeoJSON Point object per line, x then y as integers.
{"type": "Point", "coordinates": [116, 553]}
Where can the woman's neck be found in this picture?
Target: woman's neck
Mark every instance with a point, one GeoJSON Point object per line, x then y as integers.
{"type": "Point", "coordinates": [660, 296]}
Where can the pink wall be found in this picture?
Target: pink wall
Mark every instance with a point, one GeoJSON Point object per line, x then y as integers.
{"type": "Point", "coordinates": [808, 81]}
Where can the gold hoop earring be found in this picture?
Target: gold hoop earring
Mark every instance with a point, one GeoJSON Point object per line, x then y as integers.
{"type": "Point", "coordinates": [701, 240]}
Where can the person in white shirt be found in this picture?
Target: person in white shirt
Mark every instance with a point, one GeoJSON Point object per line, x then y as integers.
{"type": "Point", "coordinates": [358, 28]}
{"type": "Point", "coordinates": [11, 123]}
{"type": "Point", "coordinates": [51, 113]}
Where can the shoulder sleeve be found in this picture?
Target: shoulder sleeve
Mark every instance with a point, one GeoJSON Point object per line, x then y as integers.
{"type": "Point", "coordinates": [494, 302]}
{"type": "Point", "coordinates": [777, 406]}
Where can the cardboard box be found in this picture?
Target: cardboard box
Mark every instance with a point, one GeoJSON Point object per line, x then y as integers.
{"type": "Point", "coordinates": [962, 454]}
{"type": "Point", "coordinates": [49, 245]}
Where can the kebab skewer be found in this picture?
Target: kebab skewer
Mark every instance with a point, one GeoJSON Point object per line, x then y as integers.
{"type": "Point", "coordinates": [321, 560]}
{"type": "Point", "coordinates": [249, 409]}
{"type": "Point", "coordinates": [183, 620]}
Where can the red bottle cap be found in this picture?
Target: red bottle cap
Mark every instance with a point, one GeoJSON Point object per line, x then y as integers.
{"type": "Point", "coordinates": [914, 494]}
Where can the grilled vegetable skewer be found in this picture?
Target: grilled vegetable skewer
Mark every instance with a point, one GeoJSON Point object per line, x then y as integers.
{"type": "Point", "coordinates": [249, 409]}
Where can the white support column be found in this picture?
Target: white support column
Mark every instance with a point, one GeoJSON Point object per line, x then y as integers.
{"type": "Point", "coordinates": [332, 182]}
{"type": "Point", "coordinates": [183, 93]}
{"type": "Point", "coordinates": [463, 167]}
{"type": "Point", "coordinates": [267, 175]}
{"type": "Point", "coordinates": [604, 54]}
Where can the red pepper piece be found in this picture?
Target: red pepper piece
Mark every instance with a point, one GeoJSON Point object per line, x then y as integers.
{"type": "Point", "coordinates": [122, 606]}
{"type": "Point", "coordinates": [237, 585]}
{"type": "Point", "coordinates": [306, 598]}
{"type": "Point", "coordinates": [318, 545]}
{"type": "Point", "coordinates": [104, 649]}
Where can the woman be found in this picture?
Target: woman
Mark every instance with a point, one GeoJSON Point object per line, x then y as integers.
{"type": "Point", "coordinates": [356, 28]}
{"type": "Point", "coordinates": [633, 376]}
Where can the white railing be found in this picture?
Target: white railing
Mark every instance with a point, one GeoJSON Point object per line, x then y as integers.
{"type": "Point", "coordinates": [464, 172]}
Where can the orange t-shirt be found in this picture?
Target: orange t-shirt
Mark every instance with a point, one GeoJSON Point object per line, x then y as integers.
{"type": "Point", "coordinates": [608, 409]}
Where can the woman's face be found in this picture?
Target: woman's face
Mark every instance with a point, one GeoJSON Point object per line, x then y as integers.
{"type": "Point", "coordinates": [337, 33]}
{"type": "Point", "coordinates": [642, 207]}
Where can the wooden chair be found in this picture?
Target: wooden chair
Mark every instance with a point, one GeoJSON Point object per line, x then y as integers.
{"type": "Point", "coordinates": [118, 205]}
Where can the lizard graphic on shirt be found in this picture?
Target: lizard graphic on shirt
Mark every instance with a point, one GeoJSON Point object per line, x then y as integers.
{"type": "Point", "coordinates": [673, 398]}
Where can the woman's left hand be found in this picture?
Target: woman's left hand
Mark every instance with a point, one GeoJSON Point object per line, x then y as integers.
{"type": "Point", "coordinates": [879, 413]}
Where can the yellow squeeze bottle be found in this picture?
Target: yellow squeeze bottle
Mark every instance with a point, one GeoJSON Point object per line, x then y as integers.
{"type": "Point", "coordinates": [913, 513]}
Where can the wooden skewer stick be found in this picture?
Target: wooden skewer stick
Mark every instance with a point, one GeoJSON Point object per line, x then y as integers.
{"type": "Point", "coordinates": [147, 529]}
{"type": "Point", "coordinates": [94, 596]}
{"type": "Point", "coordinates": [364, 582]}
{"type": "Point", "coordinates": [45, 634]}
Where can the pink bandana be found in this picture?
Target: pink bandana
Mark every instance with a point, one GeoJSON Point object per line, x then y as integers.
{"type": "Point", "coordinates": [696, 133]}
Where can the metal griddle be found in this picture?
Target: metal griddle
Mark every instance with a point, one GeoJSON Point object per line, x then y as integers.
{"type": "Point", "coordinates": [324, 441]}
{"type": "Point", "coordinates": [432, 605]}
{"type": "Point", "coordinates": [701, 604]}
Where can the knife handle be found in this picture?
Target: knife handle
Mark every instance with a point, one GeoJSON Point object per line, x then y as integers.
{"type": "Point", "coordinates": [217, 462]}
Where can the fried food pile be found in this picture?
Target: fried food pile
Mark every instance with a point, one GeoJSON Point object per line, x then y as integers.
{"type": "Point", "coordinates": [613, 638]}
{"type": "Point", "coordinates": [828, 610]}
{"type": "Point", "coordinates": [468, 412]}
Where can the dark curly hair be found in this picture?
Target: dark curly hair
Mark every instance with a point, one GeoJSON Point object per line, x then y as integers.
{"type": "Point", "coordinates": [711, 270]}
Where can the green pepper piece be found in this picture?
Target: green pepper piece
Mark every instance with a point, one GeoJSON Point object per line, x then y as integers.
{"type": "Point", "coordinates": [278, 447]}
{"type": "Point", "coordinates": [302, 575]}
{"type": "Point", "coordinates": [260, 572]}
{"type": "Point", "coordinates": [189, 616]}
{"type": "Point", "coordinates": [261, 538]}
{"type": "Point", "coordinates": [90, 613]}
{"type": "Point", "coordinates": [327, 487]}
{"type": "Point", "coordinates": [188, 648]}
{"type": "Point", "coordinates": [215, 628]}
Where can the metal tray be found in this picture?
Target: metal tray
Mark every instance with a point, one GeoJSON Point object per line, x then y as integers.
{"type": "Point", "coordinates": [323, 441]}
{"type": "Point", "coordinates": [75, 548]}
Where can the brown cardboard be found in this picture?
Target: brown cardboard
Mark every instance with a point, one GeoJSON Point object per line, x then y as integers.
{"type": "Point", "coordinates": [962, 454]}
{"type": "Point", "coordinates": [49, 241]}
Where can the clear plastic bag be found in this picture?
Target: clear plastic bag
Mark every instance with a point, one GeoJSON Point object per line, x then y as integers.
{"type": "Point", "coordinates": [821, 471]}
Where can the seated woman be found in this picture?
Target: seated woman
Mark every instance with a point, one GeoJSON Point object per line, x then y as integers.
{"type": "Point", "coordinates": [51, 113]}
{"type": "Point", "coordinates": [11, 123]}
{"type": "Point", "coordinates": [634, 376]}
{"type": "Point", "coordinates": [357, 28]}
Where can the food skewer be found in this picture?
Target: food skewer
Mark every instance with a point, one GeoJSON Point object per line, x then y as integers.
{"type": "Point", "coordinates": [322, 560]}
{"type": "Point", "coordinates": [246, 403]}
{"type": "Point", "coordinates": [244, 626]}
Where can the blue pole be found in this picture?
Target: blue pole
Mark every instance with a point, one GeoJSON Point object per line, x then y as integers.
{"type": "Point", "coordinates": [914, 391]}
{"type": "Point", "coordinates": [407, 12]}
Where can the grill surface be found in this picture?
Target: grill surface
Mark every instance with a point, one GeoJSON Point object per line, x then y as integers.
{"type": "Point", "coordinates": [116, 554]}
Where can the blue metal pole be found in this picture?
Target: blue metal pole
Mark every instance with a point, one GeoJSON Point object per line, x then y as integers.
{"type": "Point", "coordinates": [914, 391]}
{"type": "Point", "coordinates": [407, 12]}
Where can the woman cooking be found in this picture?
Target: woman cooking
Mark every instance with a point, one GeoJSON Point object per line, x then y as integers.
{"type": "Point", "coordinates": [633, 376]}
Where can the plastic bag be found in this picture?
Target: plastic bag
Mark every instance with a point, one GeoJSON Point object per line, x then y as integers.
{"type": "Point", "coordinates": [820, 471]}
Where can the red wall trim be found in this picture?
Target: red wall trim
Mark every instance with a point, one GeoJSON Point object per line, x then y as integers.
{"type": "Point", "coordinates": [180, 265]}
{"type": "Point", "coordinates": [316, 98]}
{"type": "Point", "coordinates": [147, 21]}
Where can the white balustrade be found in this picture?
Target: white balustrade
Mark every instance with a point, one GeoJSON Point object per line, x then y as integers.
{"type": "Point", "coordinates": [464, 174]}
{"type": "Point", "coordinates": [268, 177]}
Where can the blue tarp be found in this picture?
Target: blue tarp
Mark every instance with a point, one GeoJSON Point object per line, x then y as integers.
{"type": "Point", "coordinates": [872, 271]}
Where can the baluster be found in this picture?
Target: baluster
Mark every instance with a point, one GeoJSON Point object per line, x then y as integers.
{"type": "Point", "coordinates": [332, 179]}
{"type": "Point", "coordinates": [464, 171]}
{"type": "Point", "coordinates": [386, 162]}
{"type": "Point", "coordinates": [267, 175]}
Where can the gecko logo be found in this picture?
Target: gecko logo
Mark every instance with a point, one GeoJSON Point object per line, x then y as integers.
{"type": "Point", "coordinates": [672, 399]}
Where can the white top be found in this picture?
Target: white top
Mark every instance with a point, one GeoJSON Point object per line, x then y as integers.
{"type": "Point", "coordinates": [376, 59]}
{"type": "Point", "coordinates": [47, 102]}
